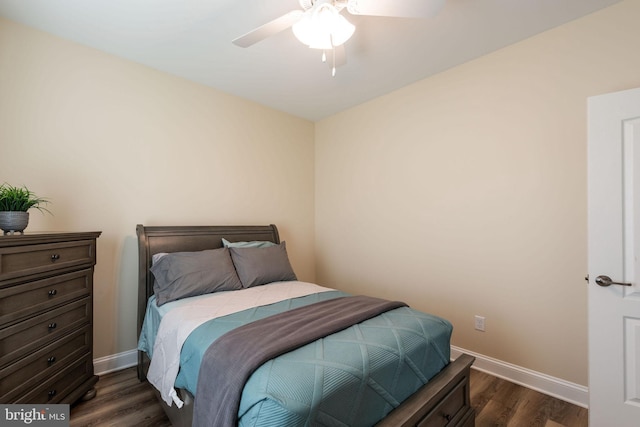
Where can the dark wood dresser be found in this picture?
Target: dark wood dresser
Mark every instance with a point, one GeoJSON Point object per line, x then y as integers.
{"type": "Point", "coordinates": [46, 317]}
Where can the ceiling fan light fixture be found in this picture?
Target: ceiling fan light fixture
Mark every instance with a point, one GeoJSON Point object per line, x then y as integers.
{"type": "Point", "coordinates": [322, 27]}
{"type": "Point", "coordinates": [323, 43]}
{"type": "Point", "coordinates": [303, 29]}
{"type": "Point", "coordinates": [342, 30]}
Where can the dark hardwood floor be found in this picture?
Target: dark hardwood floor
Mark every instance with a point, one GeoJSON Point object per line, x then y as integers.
{"type": "Point", "coordinates": [123, 401]}
{"type": "Point", "coordinates": [501, 403]}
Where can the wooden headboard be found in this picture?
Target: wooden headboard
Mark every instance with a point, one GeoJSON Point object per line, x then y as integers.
{"type": "Point", "coordinates": [156, 239]}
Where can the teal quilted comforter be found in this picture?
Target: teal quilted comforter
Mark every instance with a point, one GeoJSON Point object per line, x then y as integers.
{"type": "Point", "coordinates": [350, 378]}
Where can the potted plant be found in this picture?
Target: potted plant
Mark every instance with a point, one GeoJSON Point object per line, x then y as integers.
{"type": "Point", "coordinates": [14, 204]}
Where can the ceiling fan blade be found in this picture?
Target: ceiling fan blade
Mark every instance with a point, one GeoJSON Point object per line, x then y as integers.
{"type": "Point", "coordinates": [335, 58]}
{"type": "Point", "coordinates": [340, 55]}
{"type": "Point", "coordinates": [269, 29]}
{"type": "Point", "coordinates": [396, 8]}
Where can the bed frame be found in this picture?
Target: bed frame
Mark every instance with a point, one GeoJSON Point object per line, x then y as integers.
{"type": "Point", "coordinates": [444, 401]}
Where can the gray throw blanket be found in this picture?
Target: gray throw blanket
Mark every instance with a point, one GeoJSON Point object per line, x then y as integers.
{"type": "Point", "coordinates": [232, 358]}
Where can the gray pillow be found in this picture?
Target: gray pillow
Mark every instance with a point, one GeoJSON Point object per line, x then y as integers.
{"type": "Point", "coordinates": [251, 244]}
{"type": "Point", "coordinates": [259, 266]}
{"type": "Point", "coordinates": [186, 274]}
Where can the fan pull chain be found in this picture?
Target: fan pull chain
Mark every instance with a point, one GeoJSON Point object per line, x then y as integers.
{"type": "Point", "coordinates": [333, 69]}
{"type": "Point", "coordinates": [324, 59]}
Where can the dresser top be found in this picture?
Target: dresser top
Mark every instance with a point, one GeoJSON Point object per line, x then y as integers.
{"type": "Point", "coordinates": [46, 237]}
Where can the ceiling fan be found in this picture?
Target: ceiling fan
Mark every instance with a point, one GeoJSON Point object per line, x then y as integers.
{"type": "Point", "coordinates": [320, 24]}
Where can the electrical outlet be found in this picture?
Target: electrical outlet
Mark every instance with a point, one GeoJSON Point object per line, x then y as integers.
{"type": "Point", "coordinates": [479, 323]}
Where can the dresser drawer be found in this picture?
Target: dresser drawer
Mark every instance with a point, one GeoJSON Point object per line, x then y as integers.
{"type": "Point", "coordinates": [29, 372]}
{"type": "Point", "coordinates": [450, 409]}
{"type": "Point", "coordinates": [25, 260]}
{"type": "Point", "coordinates": [28, 335]}
{"type": "Point", "coordinates": [57, 387]}
{"type": "Point", "coordinates": [28, 299]}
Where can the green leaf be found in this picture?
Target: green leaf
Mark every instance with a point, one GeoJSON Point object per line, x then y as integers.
{"type": "Point", "coordinates": [20, 199]}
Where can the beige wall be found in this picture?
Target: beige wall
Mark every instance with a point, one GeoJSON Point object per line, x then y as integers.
{"type": "Point", "coordinates": [465, 193]}
{"type": "Point", "coordinates": [114, 144]}
{"type": "Point", "coordinates": [462, 194]}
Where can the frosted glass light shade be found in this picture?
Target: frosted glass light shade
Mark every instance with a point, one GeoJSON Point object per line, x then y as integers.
{"type": "Point", "coordinates": [342, 30]}
{"type": "Point", "coordinates": [323, 28]}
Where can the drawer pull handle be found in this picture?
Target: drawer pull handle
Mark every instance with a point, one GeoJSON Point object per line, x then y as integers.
{"type": "Point", "coordinates": [52, 325]}
{"type": "Point", "coordinates": [51, 393]}
{"type": "Point", "coordinates": [51, 360]}
{"type": "Point", "coordinates": [55, 257]}
{"type": "Point", "coordinates": [52, 292]}
{"type": "Point", "coordinates": [447, 417]}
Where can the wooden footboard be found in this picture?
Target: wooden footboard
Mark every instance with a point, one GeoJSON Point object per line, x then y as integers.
{"type": "Point", "coordinates": [444, 401]}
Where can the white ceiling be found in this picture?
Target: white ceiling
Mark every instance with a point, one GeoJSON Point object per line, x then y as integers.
{"type": "Point", "coordinates": [192, 39]}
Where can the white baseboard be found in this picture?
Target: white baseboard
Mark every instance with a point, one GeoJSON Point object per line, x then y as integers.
{"type": "Point", "coordinates": [115, 362]}
{"type": "Point", "coordinates": [556, 387]}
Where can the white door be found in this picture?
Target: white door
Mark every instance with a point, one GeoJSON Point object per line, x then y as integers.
{"type": "Point", "coordinates": [614, 251]}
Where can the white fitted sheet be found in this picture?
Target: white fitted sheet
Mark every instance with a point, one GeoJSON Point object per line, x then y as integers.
{"type": "Point", "coordinates": [178, 319]}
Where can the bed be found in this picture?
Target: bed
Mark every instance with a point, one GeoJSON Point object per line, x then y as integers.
{"type": "Point", "coordinates": [443, 401]}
